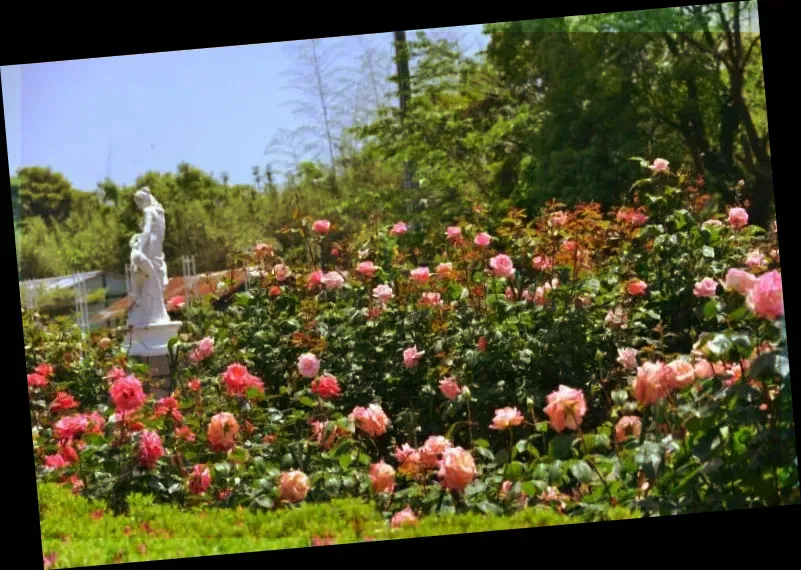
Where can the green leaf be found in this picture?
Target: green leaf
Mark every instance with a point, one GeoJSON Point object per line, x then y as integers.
{"type": "Point", "coordinates": [345, 460]}
{"type": "Point", "coordinates": [719, 346]}
{"type": "Point", "coordinates": [223, 468]}
{"type": "Point", "coordinates": [581, 471]}
{"type": "Point", "coordinates": [710, 309]}
{"type": "Point", "coordinates": [489, 508]}
{"type": "Point", "coordinates": [708, 252]}
{"type": "Point", "coordinates": [481, 443]}
{"type": "Point", "coordinates": [175, 487]}
{"type": "Point", "coordinates": [561, 447]}
{"type": "Point", "coordinates": [514, 470]}
{"type": "Point", "coordinates": [264, 501]}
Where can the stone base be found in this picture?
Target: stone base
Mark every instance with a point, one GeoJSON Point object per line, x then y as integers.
{"type": "Point", "coordinates": [152, 340]}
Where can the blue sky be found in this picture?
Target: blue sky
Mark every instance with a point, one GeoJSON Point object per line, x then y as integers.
{"type": "Point", "coordinates": [214, 108]}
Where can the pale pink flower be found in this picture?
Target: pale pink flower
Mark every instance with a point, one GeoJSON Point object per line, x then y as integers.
{"type": "Point", "coordinates": [403, 518]}
{"type": "Point", "coordinates": [626, 426]}
{"type": "Point", "coordinates": [703, 370]}
{"type": "Point", "coordinates": [366, 268]}
{"type": "Point", "coordinates": [372, 420]}
{"type": "Point", "coordinates": [653, 382]}
{"type": "Point", "coordinates": [382, 477]}
{"type": "Point", "coordinates": [659, 165]}
{"type": "Point", "coordinates": [506, 418]}
{"type": "Point", "coordinates": [705, 288]}
{"type": "Point", "coordinates": [566, 408]}
{"type": "Point", "coordinates": [616, 318]}
{"type": "Point", "coordinates": [432, 450]}
{"type": "Point", "coordinates": [399, 229]}
{"type": "Point", "coordinates": [457, 469]}
{"type": "Point", "coordinates": [738, 217]}
{"type": "Point", "coordinates": [557, 219]}
{"type": "Point", "coordinates": [420, 275]}
{"type": "Point", "coordinates": [293, 486]}
{"type": "Point", "coordinates": [308, 365]}
{"type": "Point", "coordinates": [332, 280]}
{"type": "Point", "coordinates": [281, 272]}
{"type": "Point", "coordinates": [502, 266]}
{"type": "Point", "coordinates": [542, 262]}
{"type": "Point", "coordinates": [740, 280]}
{"type": "Point", "coordinates": [454, 233]}
{"type": "Point", "coordinates": [765, 298]}
{"type": "Point", "coordinates": [411, 356]}
{"type": "Point", "coordinates": [383, 293]}
{"type": "Point", "coordinates": [627, 357]}
{"type": "Point", "coordinates": [449, 388]}
{"type": "Point", "coordinates": [755, 259]}
{"type": "Point", "coordinates": [509, 294]}
{"type": "Point", "coordinates": [683, 374]}
{"type": "Point", "coordinates": [432, 299]}
{"type": "Point", "coordinates": [483, 239]}
{"type": "Point", "coordinates": [321, 226]}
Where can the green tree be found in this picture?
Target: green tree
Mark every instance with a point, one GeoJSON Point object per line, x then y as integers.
{"type": "Point", "coordinates": [44, 193]}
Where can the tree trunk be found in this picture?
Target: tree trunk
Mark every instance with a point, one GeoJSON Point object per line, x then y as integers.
{"type": "Point", "coordinates": [404, 91]}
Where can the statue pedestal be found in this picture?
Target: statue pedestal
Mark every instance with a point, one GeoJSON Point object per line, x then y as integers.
{"type": "Point", "coordinates": [151, 340]}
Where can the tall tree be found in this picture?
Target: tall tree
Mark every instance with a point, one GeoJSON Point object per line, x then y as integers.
{"type": "Point", "coordinates": [44, 193]}
{"type": "Point", "coordinates": [404, 91]}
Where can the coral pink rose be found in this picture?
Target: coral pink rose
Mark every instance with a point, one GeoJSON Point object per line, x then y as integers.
{"type": "Point", "coordinates": [445, 270]}
{"type": "Point", "coordinates": [411, 356]}
{"type": "Point", "coordinates": [194, 385]}
{"type": "Point", "coordinates": [738, 217]}
{"type": "Point", "coordinates": [308, 365]}
{"type": "Point", "coordinates": [449, 388]}
{"type": "Point", "coordinates": [703, 370]}
{"type": "Point", "coordinates": [705, 288]}
{"type": "Point", "coordinates": [199, 480]}
{"type": "Point", "coordinates": [55, 461]}
{"type": "Point", "coordinates": [653, 382]}
{"type": "Point", "coordinates": [45, 370]}
{"type": "Point", "coordinates": [483, 239]}
{"type": "Point", "coordinates": [638, 219]}
{"type": "Point", "coordinates": [371, 420]}
{"type": "Point", "coordinates": [203, 350]}
{"type": "Point", "coordinates": [454, 233]}
{"type": "Point", "coordinates": [420, 275]}
{"type": "Point", "coordinates": [626, 426]}
{"type": "Point", "coordinates": [740, 281]}
{"type": "Point", "coordinates": [432, 450]}
{"type": "Point", "coordinates": [222, 430]}
{"type": "Point", "coordinates": [765, 298]}
{"type": "Point", "coordinates": [683, 374]}
{"type": "Point", "coordinates": [293, 486]}
{"type": "Point", "coordinates": [62, 402]}
{"type": "Point", "coordinates": [627, 357]}
{"type": "Point", "coordinates": [321, 226]}
{"type": "Point", "coordinates": [127, 394]}
{"type": "Point", "coordinates": [281, 272]}
{"type": "Point", "coordinates": [177, 302]}
{"type": "Point", "coordinates": [366, 268]}
{"type": "Point", "coordinates": [383, 293]}
{"type": "Point", "coordinates": [506, 418]}
{"type": "Point", "coordinates": [457, 469]}
{"type": "Point", "coordinates": [382, 476]}
{"type": "Point", "coordinates": [403, 518]}
{"type": "Point", "coordinates": [326, 386]}
{"type": "Point", "coordinates": [320, 429]}
{"type": "Point", "coordinates": [36, 380]}
{"type": "Point", "coordinates": [542, 262]}
{"type": "Point", "coordinates": [636, 287]}
{"type": "Point", "coordinates": [150, 448]}
{"type": "Point", "coordinates": [566, 408]}
{"type": "Point", "coordinates": [399, 229]}
{"type": "Point", "coordinates": [502, 266]}
{"type": "Point", "coordinates": [315, 278]}
{"type": "Point", "coordinates": [431, 299]}
{"type": "Point", "coordinates": [659, 165]}
{"type": "Point", "coordinates": [404, 452]}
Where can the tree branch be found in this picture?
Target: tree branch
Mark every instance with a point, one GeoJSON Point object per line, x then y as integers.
{"type": "Point", "coordinates": [748, 53]}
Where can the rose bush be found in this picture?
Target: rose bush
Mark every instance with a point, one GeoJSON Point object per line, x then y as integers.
{"type": "Point", "coordinates": [578, 359]}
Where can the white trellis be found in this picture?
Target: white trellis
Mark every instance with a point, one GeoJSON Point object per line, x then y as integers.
{"type": "Point", "coordinates": [189, 274]}
{"type": "Point", "coordinates": [31, 292]}
{"type": "Point", "coordinates": [81, 304]}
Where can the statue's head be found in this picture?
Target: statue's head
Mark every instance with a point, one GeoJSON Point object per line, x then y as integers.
{"type": "Point", "coordinates": [143, 197]}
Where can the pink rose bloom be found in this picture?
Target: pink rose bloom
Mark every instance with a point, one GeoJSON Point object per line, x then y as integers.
{"type": "Point", "coordinates": [626, 426]}
{"type": "Point", "coordinates": [321, 226]}
{"type": "Point", "coordinates": [332, 280]}
{"type": "Point", "coordinates": [509, 294]}
{"type": "Point", "coordinates": [63, 402]}
{"type": "Point", "coordinates": [765, 298]}
{"type": "Point", "coordinates": [557, 219]}
{"type": "Point", "coordinates": [293, 486]}
{"type": "Point", "coordinates": [382, 476]}
{"type": "Point", "coordinates": [150, 448]}
{"type": "Point", "coordinates": [127, 394]}
{"type": "Point", "coordinates": [411, 356]}
{"type": "Point", "coordinates": [457, 469]}
{"type": "Point", "coordinates": [431, 299]}
{"type": "Point", "coordinates": [481, 344]}
{"type": "Point", "coordinates": [366, 268]}
{"type": "Point", "coordinates": [738, 217]}
{"type": "Point", "coordinates": [326, 386]}
{"type": "Point", "coordinates": [705, 288]}
{"type": "Point", "coordinates": [238, 380]}
{"type": "Point", "coordinates": [483, 239]}
{"type": "Point", "coordinates": [399, 229]}
{"type": "Point", "coordinates": [222, 430]}
{"type": "Point", "coordinates": [383, 293]}
{"type": "Point", "coordinates": [314, 279]}
{"type": "Point", "coordinates": [566, 408]}
{"type": "Point", "coordinates": [755, 259]}
{"type": "Point", "coordinates": [420, 275]}
{"type": "Point", "coordinates": [638, 219]}
{"type": "Point", "coordinates": [431, 451]}
{"type": "Point", "coordinates": [627, 357]}
{"type": "Point", "coordinates": [506, 418]}
{"type": "Point", "coordinates": [404, 452]}
{"type": "Point", "coordinates": [653, 382]}
{"type": "Point", "coordinates": [36, 380]}
{"type": "Point", "coordinates": [203, 350]}
{"type": "Point", "coordinates": [454, 233]}
{"type": "Point", "coordinates": [502, 266]}
{"type": "Point", "coordinates": [308, 365]}
{"type": "Point", "coordinates": [177, 302]}
{"type": "Point", "coordinates": [199, 480]}
{"type": "Point", "coordinates": [703, 370]}
{"type": "Point", "coordinates": [636, 287]}
{"type": "Point", "coordinates": [539, 297]}
{"type": "Point", "coordinates": [659, 165]}
{"type": "Point", "coordinates": [403, 518]}
{"type": "Point", "coordinates": [55, 462]}
{"type": "Point", "coordinates": [281, 272]}
{"type": "Point", "coordinates": [714, 223]}
{"type": "Point", "coordinates": [616, 318]}
{"type": "Point", "coordinates": [542, 262]}
{"type": "Point", "coordinates": [444, 270]}
{"type": "Point", "coordinates": [740, 281]}
{"type": "Point", "coordinates": [683, 374]}
{"type": "Point", "coordinates": [371, 420]}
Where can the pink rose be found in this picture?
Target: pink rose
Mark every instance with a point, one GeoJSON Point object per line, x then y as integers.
{"type": "Point", "coordinates": [382, 476]}
{"type": "Point", "coordinates": [199, 480]}
{"type": "Point", "coordinates": [454, 233]}
{"type": "Point", "coordinates": [449, 388]}
{"type": "Point", "coordinates": [366, 268]}
{"type": "Point", "coordinates": [755, 259]}
{"type": "Point", "coordinates": [506, 418]}
{"type": "Point", "coordinates": [383, 293]}
{"type": "Point", "coordinates": [683, 374]}
{"type": "Point", "coordinates": [542, 262]}
{"type": "Point", "coordinates": [557, 219]}
{"type": "Point", "coordinates": [403, 518]}
{"type": "Point", "coordinates": [404, 452]}
{"type": "Point", "coordinates": [627, 357]}
{"type": "Point", "coordinates": [431, 299]}
{"type": "Point", "coordinates": [281, 272]}
{"type": "Point", "coordinates": [321, 226]}
{"type": "Point", "coordinates": [509, 294]}
{"type": "Point", "coordinates": [638, 219]}
{"type": "Point", "coordinates": [705, 288]}
{"type": "Point", "coordinates": [457, 469]}
{"type": "Point", "coordinates": [222, 430]}
{"type": "Point", "coordinates": [371, 420]}
{"type": "Point", "coordinates": [636, 287]}
{"type": "Point", "coordinates": [308, 365]}
{"type": "Point", "coordinates": [150, 448]}
{"type": "Point", "coordinates": [502, 266]}
{"type": "Point", "coordinates": [326, 386]}
{"type": "Point", "coordinates": [740, 281]}
{"type": "Point", "coordinates": [738, 217]}
{"type": "Point", "coordinates": [628, 425]}
{"type": "Point", "coordinates": [483, 239]}
{"type": "Point", "coordinates": [703, 370]}
{"type": "Point", "coordinates": [420, 275]}
{"type": "Point", "coordinates": [127, 394]}
{"type": "Point", "coordinates": [203, 350]}
{"type": "Point", "coordinates": [444, 270]}
{"type": "Point", "coordinates": [653, 382]}
{"type": "Point", "coordinates": [332, 280]}
{"type": "Point", "coordinates": [765, 298]}
{"type": "Point", "coordinates": [315, 278]}
{"type": "Point", "coordinates": [659, 165]}
{"type": "Point", "coordinates": [713, 223]}
{"type": "Point", "coordinates": [399, 229]}
{"type": "Point", "coordinates": [411, 356]}
{"type": "Point", "coordinates": [293, 486]}
{"type": "Point", "coordinates": [432, 450]}
{"type": "Point", "coordinates": [616, 318]}
{"type": "Point", "coordinates": [566, 408]}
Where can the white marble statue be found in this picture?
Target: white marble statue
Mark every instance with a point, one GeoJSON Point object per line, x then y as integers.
{"type": "Point", "coordinates": [151, 327]}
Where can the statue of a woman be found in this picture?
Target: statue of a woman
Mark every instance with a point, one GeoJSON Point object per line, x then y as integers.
{"type": "Point", "coordinates": [149, 272]}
